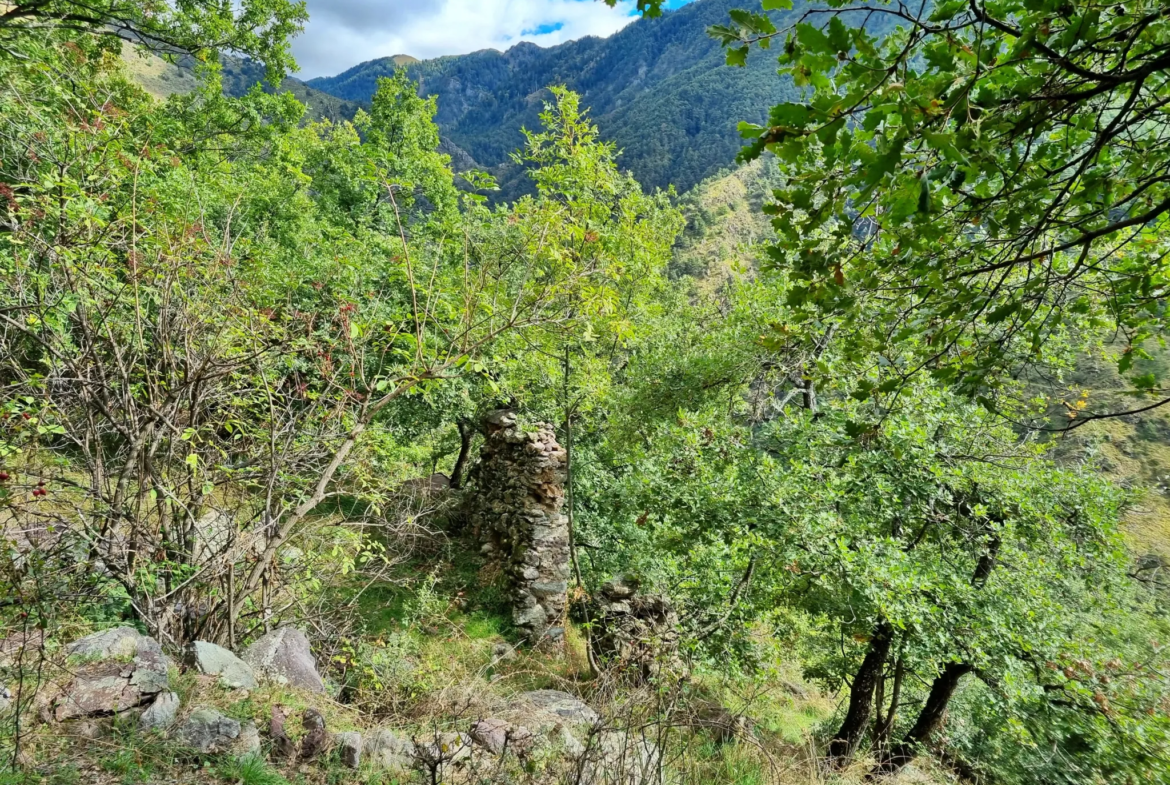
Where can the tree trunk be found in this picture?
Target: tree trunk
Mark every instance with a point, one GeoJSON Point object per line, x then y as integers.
{"type": "Point", "coordinates": [885, 725]}
{"type": "Point", "coordinates": [930, 719]}
{"type": "Point", "coordinates": [466, 434]}
{"type": "Point", "coordinates": [844, 744]}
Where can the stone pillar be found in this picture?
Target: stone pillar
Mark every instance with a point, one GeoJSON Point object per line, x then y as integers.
{"type": "Point", "coordinates": [515, 510]}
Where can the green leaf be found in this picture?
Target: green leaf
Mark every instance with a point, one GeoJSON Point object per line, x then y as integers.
{"type": "Point", "coordinates": [737, 57]}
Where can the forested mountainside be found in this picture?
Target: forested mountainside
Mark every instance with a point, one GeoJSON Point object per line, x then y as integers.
{"type": "Point", "coordinates": [659, 89]}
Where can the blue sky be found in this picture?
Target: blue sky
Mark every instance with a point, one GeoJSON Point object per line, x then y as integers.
{"type": "Point", "coordinates": [343, 33]}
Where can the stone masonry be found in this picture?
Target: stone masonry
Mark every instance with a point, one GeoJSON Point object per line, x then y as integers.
{"type": "Point", "coordinates": [516, 511]}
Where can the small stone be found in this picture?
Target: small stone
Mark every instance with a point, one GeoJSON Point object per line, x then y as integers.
{"type": "Point", "coordinates": [214, 660]}
{"type": "Point", "coordinates": [503, 651]}
{"type": "Point", "coordinates": [349, 746]}
{"type": "Point", "coordinates": [207, 730]}
{"type": "Point", "coordinates": [160, 714]}
{"type": "Point", "coordinates": [120, 670]}
{"type": "Point", "coordinates": [548, 588]}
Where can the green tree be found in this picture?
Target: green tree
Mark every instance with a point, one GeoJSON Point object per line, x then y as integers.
{"type": "Point", "coordinates": [996, 171]}
{"type": "Point", "coordinates": [258, 28]}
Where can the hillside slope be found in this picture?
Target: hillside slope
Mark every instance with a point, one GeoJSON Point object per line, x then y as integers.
{"type": "Point", "coordinates": [658, 89]}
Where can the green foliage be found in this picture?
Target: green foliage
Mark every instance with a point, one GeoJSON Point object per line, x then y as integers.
{"type": "Point", "coordinates": [258, 28]}
{"type": "Point", "coordinates": [994, 172]}
{"type": "Point", "coordinates": [249, 770]}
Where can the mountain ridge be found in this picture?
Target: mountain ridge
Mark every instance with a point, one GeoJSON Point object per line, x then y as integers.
{"type": "Point", "coordinates": [658, 89]}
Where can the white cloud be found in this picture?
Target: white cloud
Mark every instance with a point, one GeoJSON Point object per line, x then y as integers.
{"type": "Point", "coordinates": [343, 33]}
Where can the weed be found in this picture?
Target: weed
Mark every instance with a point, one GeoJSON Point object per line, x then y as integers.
{"type": "Point", "coordinates": [249, 770]}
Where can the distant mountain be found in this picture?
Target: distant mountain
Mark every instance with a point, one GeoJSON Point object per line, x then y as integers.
{"type": "Point", "coordinates": [240, 75]}
{"type": "Point", "coordinates": [658, 88]}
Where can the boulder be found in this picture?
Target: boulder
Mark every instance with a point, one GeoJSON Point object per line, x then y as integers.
{"type": "Point", "coordinates": [117, 670]}
{"type": "Point", "coordinates": [556, 704]}
{"type": "Point", "coordinates": [349, 748]}
{"type": "Point", "coordinates": [496, 735]}
{"type": "Point", "coordinates": [284, 656]}
{"type": "Point", "coordinates": [248, 743]}
{"type": "Point", "coordinates": [384, 750]}
{"type": "Point", "coordinates": [161, 713]}
{"type": "Point", "coordinates": [214, 660]}
{"type": "Point", "coordinates": [207, 730]}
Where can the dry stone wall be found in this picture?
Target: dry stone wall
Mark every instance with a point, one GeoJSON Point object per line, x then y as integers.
{"type": "Point", "coordinates": [516, 509]}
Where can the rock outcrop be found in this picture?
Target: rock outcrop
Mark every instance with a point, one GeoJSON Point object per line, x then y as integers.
{"type": "Point", "coordinates": [285, 657]}
{"type": "Point", "coordinates": [516, 509]}
{"type": "Point", "coordinates": [114, 670]}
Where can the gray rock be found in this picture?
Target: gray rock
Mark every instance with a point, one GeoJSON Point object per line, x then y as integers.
{"type": "Point", "coordinates": [5, 699]}
{"type": "Point", "coordinates": [209, 731]}
{"type": "Point", "coordinates": [559, 704]}
{"type": "Point", "coordinates": [284, 656]}
{"type": "Point", "coordinates": [349, 748]}
{"type": "Point", "coordinates": [496, 735]}
{"type": "Point", "coordinates": [248, 742]}
{"type": "Point", "coordinates": [384, 750]}
{"type": "Point", "coordinates": [119, 670]}
{"type": "Point", "coordinates": [107, 644]}
{"type": "Point", "coordinates": [215, 660]}
{"type": "Point", "coordinates": [160, 714]}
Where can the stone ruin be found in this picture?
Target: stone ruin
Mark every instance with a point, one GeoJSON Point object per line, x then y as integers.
{"type": "Point", "coordinates": [516, 512]}
{"type": "Point", "coordinates": [637, 633]}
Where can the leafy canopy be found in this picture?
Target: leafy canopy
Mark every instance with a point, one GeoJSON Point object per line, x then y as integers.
{"type": "Point", "coordinates": [258, 28]}
{"type": "Point", "coordinates": [996, 171]}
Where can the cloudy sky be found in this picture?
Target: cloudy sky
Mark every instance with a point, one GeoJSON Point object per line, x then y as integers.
{"type": "Point", "coordinates": [343, 33]}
